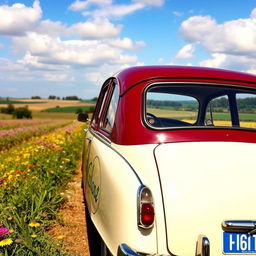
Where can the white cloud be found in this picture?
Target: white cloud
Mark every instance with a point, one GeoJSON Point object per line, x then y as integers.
{"type": "Point", "coordinates": [114, 11]}
{"type": "Point", "coordinates": [100, 28]}
{"type": "Point", "coordinates": [106, 8]}
{"type": "Point", "coordinates": [231, 45]}
{"type": "Point", "coordinates": [52, 50]}
{"type": "Point", "coordinates": [52, 28]}
{"type": "Point", "coordinates": [126, 44]}
{"type": "Point", "coordinates": [151, 2]}
{"type": "Point", "coordinates": [95, 77]}
{"type": "Point", "coordinates": [236, 37]}
{"type": "Point", "coordinates": [17, 19]}
{"type": "Point", "coordinates": [55, 77]}
{"type": "Point", "coordinates": [82, 5]}
{"type": "Point", "coordinates": [233, 62]}
{"type": "Point", "coordinates": [186, 52]}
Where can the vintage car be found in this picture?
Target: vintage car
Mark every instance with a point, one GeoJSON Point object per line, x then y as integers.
{"type": "Point", "coordinates": [168, 163]}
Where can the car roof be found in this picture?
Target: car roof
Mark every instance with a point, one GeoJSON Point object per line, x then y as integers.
{"type": "Point", "coordinates": [132, 76]}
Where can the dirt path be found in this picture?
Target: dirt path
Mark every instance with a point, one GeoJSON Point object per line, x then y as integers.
{"type": "Point", "coordinates": [73, 228]}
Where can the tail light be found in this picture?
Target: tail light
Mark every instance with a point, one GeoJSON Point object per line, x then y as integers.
{"type": "Point", "coordinates": [146, 211]}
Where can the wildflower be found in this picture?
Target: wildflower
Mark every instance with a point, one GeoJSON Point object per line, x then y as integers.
{"type": "Point", "coordinates": [2, 180]}
{"type": "Point", "coordinates": [4, 231]}
{"type": "Point", "coordinates": [34, 224]}
{"type": "Point", "coordinates": [9, 218]}
{"type": "Point", "coordinates": [60, 237]}
{"type": "Point", "coordinates": [5, 242]}
{"type": "Point", "coordinates": [51, 171]}
{"type": "Point", "coordinates": [33, 235]}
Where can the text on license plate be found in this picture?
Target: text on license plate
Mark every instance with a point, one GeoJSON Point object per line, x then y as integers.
{"type": "Point", "coordinates": [239, 243]}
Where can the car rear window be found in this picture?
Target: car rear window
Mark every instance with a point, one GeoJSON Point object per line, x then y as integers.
{"type": "Point", "coordinates": [193, 105]}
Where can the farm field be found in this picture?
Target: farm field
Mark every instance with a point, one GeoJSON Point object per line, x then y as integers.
{"type": "Point", "coordinates": [58, 109]}
{"type": "Point", "coordinates": [39, 105]}
{"type": "Point", "coordinates": [247, 120]}
{"type": "Point", "coordinates": [34, 172]}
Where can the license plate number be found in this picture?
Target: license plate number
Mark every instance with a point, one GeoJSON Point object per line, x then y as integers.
{"type": "Point", "coordinates": [239, 243]}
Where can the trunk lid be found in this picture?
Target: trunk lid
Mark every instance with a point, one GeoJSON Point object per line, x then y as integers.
{"type": "Point", "coordinates": [203, 184]}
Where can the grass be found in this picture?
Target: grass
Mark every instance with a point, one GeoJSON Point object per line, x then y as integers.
{"type": "Point", "coordinates": [32, 178]}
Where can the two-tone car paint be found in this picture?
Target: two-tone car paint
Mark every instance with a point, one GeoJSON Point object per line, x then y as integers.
{"type": "Point", "coordinates": [198, 175]}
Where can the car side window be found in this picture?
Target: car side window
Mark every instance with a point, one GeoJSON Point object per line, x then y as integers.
{"type": "Point", "coordinates": [100, 105]}
{"type": "Point", "coordinates": [109, 118]}
{"type": "Point", "coordinates": [246, 105]}
{"type": "Point", "coordinates": [218, 112]}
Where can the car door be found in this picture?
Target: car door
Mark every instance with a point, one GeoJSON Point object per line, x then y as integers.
{"type": "Point", "coordinates": [91, 176]}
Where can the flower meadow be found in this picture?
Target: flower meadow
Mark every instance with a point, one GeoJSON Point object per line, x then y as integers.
{"type": "Point", "coordinates": [15, 132]}
{"type": "Point", "coordinates": [33, 177]}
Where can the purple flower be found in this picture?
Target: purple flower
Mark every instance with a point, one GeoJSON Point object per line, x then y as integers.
{"type": "Point", "coordinates": [1, 180]}
{"type": "Point", "coordinates": [4, 231]}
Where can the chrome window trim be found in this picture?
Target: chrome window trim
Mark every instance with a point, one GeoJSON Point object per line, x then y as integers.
{"type": "Point", "coordinates": [114, 85]}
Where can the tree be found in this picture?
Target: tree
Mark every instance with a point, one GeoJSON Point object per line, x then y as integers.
{"type": "Point", "coordinates": [22, 112]}
{"type": "Point", "coordinates": [8, 110]}
{"type": "Point", "coordinates": [52, 97]}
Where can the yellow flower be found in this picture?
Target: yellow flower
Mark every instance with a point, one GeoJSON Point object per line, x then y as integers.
{"type": "Point", "coordinates": [60, 237]}
{"type": "Point", "coordinates": [33, 235]}
{"type": "Point", "coordinates": [5, 242]}
{"type": "Point", "coordinates": [34, 224]}
{"type": "Point", "coordinates": [9, 218]}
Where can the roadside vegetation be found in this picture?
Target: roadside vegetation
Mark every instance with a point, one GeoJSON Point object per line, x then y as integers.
{"type": "Point", "coordinates": [33, 176]}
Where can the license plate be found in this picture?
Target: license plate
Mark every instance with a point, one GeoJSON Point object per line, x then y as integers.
{"type": "Point", "coordinates": [239, 243]}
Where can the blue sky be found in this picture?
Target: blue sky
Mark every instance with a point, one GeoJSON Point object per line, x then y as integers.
{"type": "Point", "coordinates": [69, 47]}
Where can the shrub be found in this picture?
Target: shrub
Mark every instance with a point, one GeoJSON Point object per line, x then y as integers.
{"type": "Point", "coordinates": [22, 112]}
{"type": "Point", "coordinates": [9, 110]}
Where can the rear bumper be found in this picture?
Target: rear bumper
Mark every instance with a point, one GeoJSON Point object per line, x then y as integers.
{"type": "Point", "coordinates": [202, 249]}
{"type": "Point", "coordinates": [125, 250]}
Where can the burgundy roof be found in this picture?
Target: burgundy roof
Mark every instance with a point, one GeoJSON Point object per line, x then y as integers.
{"type": "Point", "coordinates": [131, 76]}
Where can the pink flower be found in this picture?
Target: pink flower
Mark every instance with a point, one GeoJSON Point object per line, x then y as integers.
{"type": "Point", "coordinates": [4, 231]}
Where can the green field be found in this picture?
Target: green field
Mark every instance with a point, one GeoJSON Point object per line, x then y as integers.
{"type": "Point", "coordinates": [70, 109]}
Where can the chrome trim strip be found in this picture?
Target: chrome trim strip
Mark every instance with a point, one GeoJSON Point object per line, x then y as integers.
{"type": "Point", "coordinates": [242, 226]}
{"type": "Point", "coordinates": [144, 119]}
{"type": "Point", "coordinates": [125, 250]}
{"type": "Point", "coordinates": [108, 142]}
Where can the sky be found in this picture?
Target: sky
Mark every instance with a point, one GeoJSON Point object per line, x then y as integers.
{"type": "Point", "coordinates": [70, 47]}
